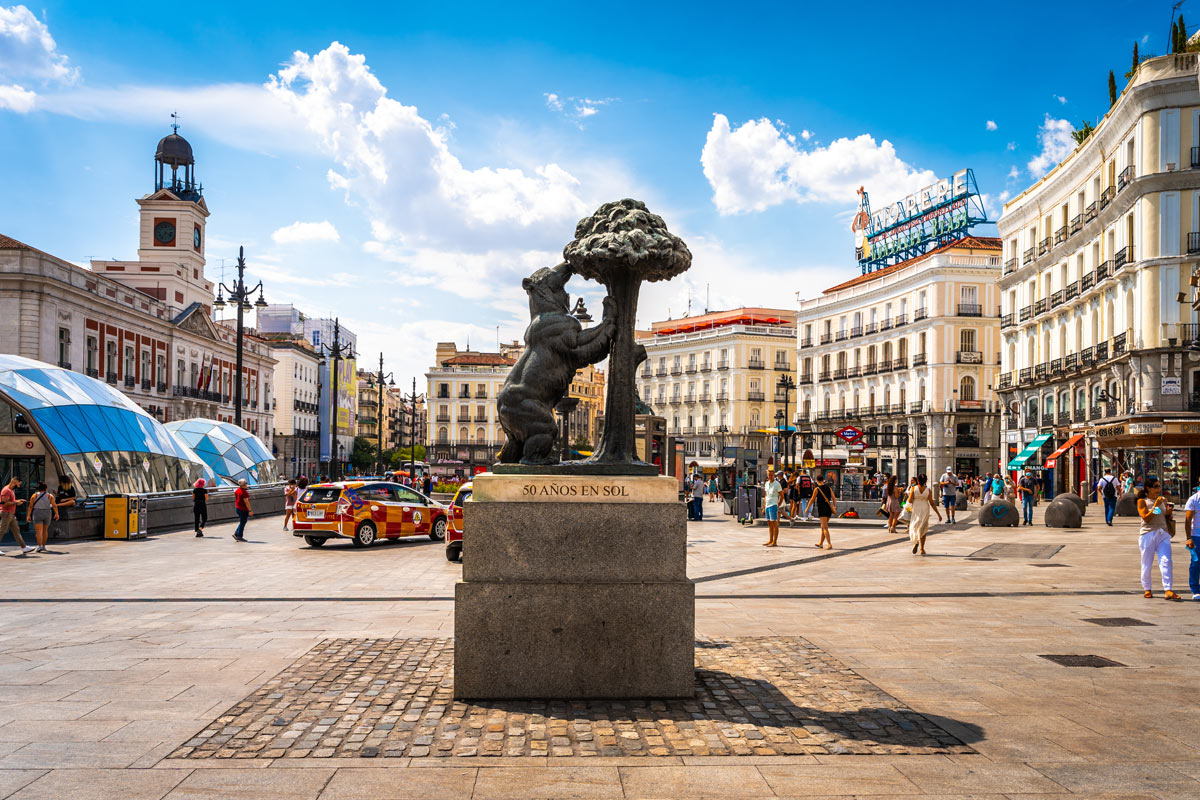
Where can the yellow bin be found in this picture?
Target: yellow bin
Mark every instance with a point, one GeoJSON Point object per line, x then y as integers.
{"type": "Point", "coordinates": [124, 516]}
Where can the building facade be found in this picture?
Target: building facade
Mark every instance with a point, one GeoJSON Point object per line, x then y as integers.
{"type": "Point", "coordinates": [295, 413]}
{"type": "Point", "coordinates": [588, 389]}
{"type": "Point", "coordinates": [144, 327]}
{"type": "Point", "coordinates": [909, 355]}
{"type": "Point", "coordinates": [714, 378]}
{"type": "Point", "coordinates": [1096, 313]}
{"type": "Point", "coordinates": [464, 434]}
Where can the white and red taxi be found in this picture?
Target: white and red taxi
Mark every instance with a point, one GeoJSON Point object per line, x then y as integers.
{"type": "Point", "coordinates": [366, 511]}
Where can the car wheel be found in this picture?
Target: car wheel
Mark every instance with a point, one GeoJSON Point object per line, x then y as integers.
{"type": "Point", "coordinates": [314, 541]}
{"type": "Point", "coordinates": [438, 531]}
{"type": "Point", "coordinates": [365, 535]}
{"type": "Point", "coordinates": [454, 552]}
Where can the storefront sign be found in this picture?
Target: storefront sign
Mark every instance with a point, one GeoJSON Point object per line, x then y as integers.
{"type": "Point", "coordinates": [1184, 427]}
{"type": "Point", "coordinates": [810, 463]}
{"type": "Point", "coordinates": [1050, 462]}
{"type": "Point", "coordinates": [855, 461]}
{"type": "Point", "coordinates": [970, 357]}
{"type": "Point", "coordinates": [1109, 431]}
{"type": "Point", "coordinates": [1172, 385]}
{"type": "Point", "coordinates": [1146, 428]}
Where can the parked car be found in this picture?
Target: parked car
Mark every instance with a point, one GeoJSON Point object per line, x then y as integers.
{"type": "Point", "coordinates": [454, 532]}
{"type": "Point", "coordinates": [366, 511]}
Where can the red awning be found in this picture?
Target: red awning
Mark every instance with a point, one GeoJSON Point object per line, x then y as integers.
{"type": "Point", "coordinates": [1067, 445]}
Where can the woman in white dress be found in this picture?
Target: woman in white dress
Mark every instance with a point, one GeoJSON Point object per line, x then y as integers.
{"type": "Point", "coordinates": [920, 503]}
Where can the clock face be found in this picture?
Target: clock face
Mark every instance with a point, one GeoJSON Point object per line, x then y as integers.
{"type": "Point", "coordinates": [196, 237]}
{"type": "Point", "coordinates": [164, 232]}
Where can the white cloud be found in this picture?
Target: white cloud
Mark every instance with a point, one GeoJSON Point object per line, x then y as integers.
{"type": "Point", "coordinates": [28, 53]}
{"type": "Point", "coordinates": [576, 109]}
{"type": "Point", "coordinates": [1060, 99]}
{"type": "Point", "coordinates": [1012, 146]}
{"type": "Point", "coordinates": [1056, 142]}
{"type": "Point", "coordinates": [14, 98]}
{"type": "Point", "coordinates": [1013, 173]}
{"type": "Point", "coordinates": [304, 232]}
{"type": "Point", "coordinates": [806, 135]}
{"type": "Point", "coordinates": [552, 102]}
{"type": "Point", "coordinates": [758, 166]}
{"type": "Point", "coordinates": [991, 125]}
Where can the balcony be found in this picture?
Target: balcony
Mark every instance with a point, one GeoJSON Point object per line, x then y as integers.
{"type": "Point", "coordinates": [692, 369]}
{"type": "Point", "coordinates": [677, 369]}
{"type": "Point", "coordinates": [481, 417]}
{"type": "Point", "coordinates": [920, 359]}
{"type": "Point", "coordinates": [92, 372]}
{"type": "Point", "coordinates": [705, 397]}
{"type": "Point", "coordinates": [1028, 256]}
{"type": "Point", "coordinates": [756, 397]}
{"type": "Point", "coordinates": [901, 319]}
{"type": "Point", "coordinates": [782, 366]}
{"type": "Point", "coordinates": [1193, 403]}
{"type": "Point", "coordinates": [807, 342]}
{"type": "Point", "coordinates": [690, 398]}
{"type": "Point", "coordinates": [1041, 371]}
{"type": "Point", "coordinates": [1025, 375]}
{"type": "Point", "coordinates": [1088, 356]}
{"type": "Point", "coordinates": [825, 376]}
{"type": "Point", "coordinates": [854, 372]}
{"type": "Point", "coordinates": [722, 365]}
{"type": "Point", "coordinates": [1124, 178]}
{"type": "Point", "coordinates": [916, 407]}
{"type": "Point", "coordinates": [1056, 299]}
{"type": "Point", "coordinates": [1071, 291]}
{"type": "Point", "coordinates": [647, 374]}
{"type": "Point", "coordinates": [1047, 420]}
{"type": "Point", "coordinates": [129, 381]}
{"type": "Point", "coordinates": [870, 369]}
{"type": "Point", "coordinates": [1193, 240]}
{"type": "Point", "coordinates": [1119, 343]}
{"type": "Point", "coordinates": [689, 431]}
{"type": "Point", "coordinates": [839, 373]}
{"type": "Point", "coordinates": [1104, 270]}
{"type": "Point", "coordinates": [162, 387]}
{"type": "Point", "coordinates": [1040, 307]}
{"type": "Point", "coordinates": [443, 418]}
{"type": "Point", "coordinates": [841, 336]}
{"type": "Point", "coordinates": [1107, 196]}
{"type": "Point", "coordinates": [1006, 381]}
{"type": "Point", "coordinates": [481, 395]}
{"type": "Point", "coordinates": [146, 383]}
{"type": "Point", "coordinates": [1060, 235]}
{"type": "Point", "coordinates": [707, 366]}
{"type": "Point", "coordinates": [1125, 256]}
{"type": "Point", "coordinates": [806, 377]}
{"type": "Point", "coordinates": [1056, 366]}
{"type": "Point", "coordinates": [1089, 213]}
{"type": "Point", "coordinates": [900, 363]}
{"type": "Point", "coordinates": [886, 325]}
{"type": "Point", "coordinates": [661, 372]}
{"type": "Point", "coordinates": [1070, 362]}
{"type": "Point", "coordinates": [1095, 412]}
{"type": "Point", "coordinates": [1076, 224]}
{"type": "Point", "coordinates": [1044, 246]}
{"type": "Point", "coordinates": [856, 331]}
{"type": "Point", "coordinates": [1010, 266]}
{"type": "Point", "coordinates": [676, 399]}
{"type": "Point", "coordinates": [968, 357]}
{"type": "Point", "coordinates": [872, 327]}
{"type": "Point", "coordinates": [1064, 417]}
{"type": "Point", "coordinates": [1006, 320]}
{"type": "Point", "coordinates": [756, 363]}
{"type": "Point", "coordinates": [920, 314]}
{"type": "Point", "coordinates": [1026, 313]}
{"type": "Point", "coordinates": [1086, 282]}
{"type": "Point", "coordinates": [1102, 351]}
{"type": "Point", "coordinates": [826, 338]}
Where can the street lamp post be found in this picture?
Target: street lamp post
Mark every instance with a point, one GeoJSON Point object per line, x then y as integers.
{"type": "Point", "coordinates": [780, 421]}
{"type": "Point", "coordinates": [379, 379]}
{"type": "Point", "coordinates": [787, 385]}
{"type": "Point", "coordinates": [239, 293]}
{"type": "Point", "coordinates": [335, 353]}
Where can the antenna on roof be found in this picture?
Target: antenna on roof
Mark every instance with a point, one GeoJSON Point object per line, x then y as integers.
{"type": "Point", "coordinates": [175, 121]}
{"type": "Point", "coordinates": [707, 297]}
{"type": "Point", "coordinates": [689, 310]}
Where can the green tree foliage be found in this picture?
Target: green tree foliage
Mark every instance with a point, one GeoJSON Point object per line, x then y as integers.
{"type": "Point", "coordinates": [1133, 69]}
{"type": "Point", "coordinates": [1081, 133]}
{"type": "Point", "coordinates": [1112, 89]}
{"type": "Point", "coordinates": [403, 454]}
{"type": "Point", "coordinates": [363, 456]}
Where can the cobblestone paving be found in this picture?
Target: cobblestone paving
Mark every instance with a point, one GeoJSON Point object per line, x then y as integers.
{"type": "Point", "coordinates": [394, 697]}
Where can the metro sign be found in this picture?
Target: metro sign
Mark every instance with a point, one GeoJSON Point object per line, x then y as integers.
{"type": "Point", "coordinates": [848, 434]}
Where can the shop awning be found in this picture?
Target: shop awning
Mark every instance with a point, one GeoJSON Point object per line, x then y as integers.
{"type": "Point", "coordinates": [1028, 452]}
{"type": "Point", "coordinates": [1067, 445]}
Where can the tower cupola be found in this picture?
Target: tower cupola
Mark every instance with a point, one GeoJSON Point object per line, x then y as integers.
{"type": "Point", "coordinates": [175, 153]}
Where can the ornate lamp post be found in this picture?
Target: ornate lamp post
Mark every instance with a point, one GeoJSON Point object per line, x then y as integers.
{"type": "Point", "coordinates": [335, 353]}
{"type": "Point", "coordinates": [781, 446]}
{"type": "Point", "coordinates": [787, 385]}
{"type": "Point", "coordinates": [239, 293]}
{"type": "Point", "coordinates": [378, 378]}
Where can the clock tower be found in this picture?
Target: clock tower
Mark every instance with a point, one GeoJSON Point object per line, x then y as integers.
{"type": "Point", "coordinates": [171, 240]}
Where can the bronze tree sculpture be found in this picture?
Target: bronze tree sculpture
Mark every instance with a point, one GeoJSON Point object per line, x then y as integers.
{"type": "Point", "coordinates": [556, 345]}
{"type": "Point", "coordinates": [620, 246]}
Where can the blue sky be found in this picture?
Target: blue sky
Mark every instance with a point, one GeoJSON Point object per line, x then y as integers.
{"type": "Point", "coordinates": [403, 166]}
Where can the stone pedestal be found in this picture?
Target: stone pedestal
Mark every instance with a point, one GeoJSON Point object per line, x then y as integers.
{"type": "Point", "coordinates": [574, 586]}
{"type": "Point", "coordinates": [999, 514]}
{"type": "Point", "coordinates": [1063, 513]}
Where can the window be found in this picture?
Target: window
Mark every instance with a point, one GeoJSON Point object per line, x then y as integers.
{"type": "Point", "coordinates": [966, 389]}
{"type": "Point", "coordinates": [129, 363]}
{"type": "Point", "coordinates": [145, 374]}
{"type": "Point", "coordinates": [64, 348]}
{"type": "Point", "coordinates": [966, 340]}
{"type": "Point", "coordinates": [93, 354]}
{"type": "Point", "coordinates": [110, 357]}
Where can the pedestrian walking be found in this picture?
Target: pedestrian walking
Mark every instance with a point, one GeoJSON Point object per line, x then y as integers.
{"type": "Point", "coordinates": [241, 504]}
{"type": "Point", "coordinates": [806, 493]}
{"type": "Point", "coordinates": [302, 483]}
{"type": "Point", "coordinates": [792, 492]}
{"type": "Point", "coordinates": [698, 497]}
{"type": "Point", "coordinates": [199, 506]}
{"type": "Point", "coordinates": [826, 503]}
{"type": "Point", "coordinates": [1154, 536]}
{"type": "Point", "coordinates": [1106, 487]}
{"type": "Point", "coordinates": [891, 502]}
{"type": "Point", "coordinates": [290, 493]}
{"type": "Point", "coordinates": [1191, 520]}
{"type": "Point", "coordinates": [41, 509]}
{"type": "Point", "coordinates": [1026, 489]}
{"type": "Point", "coordinates": [8, 515]}
{"type": "Point", "coordinates": [712, 489]}
{"type": "Point", "coordinates": [920, 503]}
{"type": "Point", "coordinates": [772, 493]}
{"type": "Point", "coordinates": [427, 485]}
{"type": "Point", "coordinates": [949, 483]}
{"type": "Point", "coordinates": [65, 497]}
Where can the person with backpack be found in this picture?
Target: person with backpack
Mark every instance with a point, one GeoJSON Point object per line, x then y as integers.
{"type": "Point", "coordinates": [1107, 488]}
{"type": "Point", "coordinates": [41, 508]}
{"type": "Point", "coordinates": [806, 493]}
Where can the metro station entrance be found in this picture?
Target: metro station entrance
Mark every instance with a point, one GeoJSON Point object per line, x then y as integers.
{"type": "Point", "coordinates": [30, 470]}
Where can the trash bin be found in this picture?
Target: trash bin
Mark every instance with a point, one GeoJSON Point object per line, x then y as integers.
{"type": "Point", "coordinates": [124, 516]}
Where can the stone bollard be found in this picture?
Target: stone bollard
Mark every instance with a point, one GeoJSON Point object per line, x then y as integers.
{"type": "Point", "coordinates": [1127, 505]}
{"type": "Point", "coordinates": [1078, 501]}
{"type": "Point", "coordinates": [960, 502]}
{"type": "Point", "coordinates": [1064, 513]}
{"type": "Point", "coordinates": [999, 514]}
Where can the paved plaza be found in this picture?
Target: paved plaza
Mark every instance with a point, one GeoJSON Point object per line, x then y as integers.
{"type": "Point", "coordinates": [155, 669]}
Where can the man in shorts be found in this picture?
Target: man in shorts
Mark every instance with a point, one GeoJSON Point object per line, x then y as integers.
{"type": "Point", "coordinates": [773, 491]}
{"type": "Point", "coordinates": [8, 515]}
{"type": "Point", "coordinates": [949, 484]}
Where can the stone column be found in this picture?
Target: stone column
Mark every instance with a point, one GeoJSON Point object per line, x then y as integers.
{"type": "Point", "coordinates": [574, 586]}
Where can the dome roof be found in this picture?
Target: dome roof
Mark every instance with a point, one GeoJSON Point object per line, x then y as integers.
{"type": "Point", "coordinates": [174, 150]}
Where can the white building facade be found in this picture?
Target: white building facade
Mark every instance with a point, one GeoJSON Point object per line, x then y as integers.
{"type": "Point", "coordinates": [464, 431]}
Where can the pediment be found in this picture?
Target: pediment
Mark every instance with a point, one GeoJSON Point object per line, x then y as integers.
{"type": "Point", "coordinates": [194, 320]}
